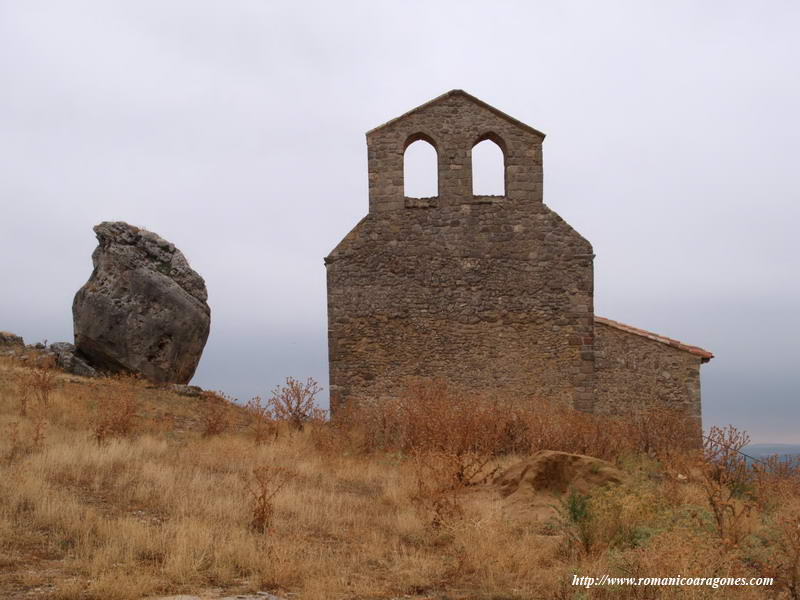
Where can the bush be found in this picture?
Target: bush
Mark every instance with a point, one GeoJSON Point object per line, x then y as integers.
{"type": "Point", "coordinates": [116, 408]}
{"type": "Point", "coordinates": [216, 418]}
{"type": "Point", "coordinates": [725, 480]}
{"type": "Point", "coordinates": [264, 484]}
{"type": "Point", "coordinates": [36, 382]}
{"type": "Point", "coordinates": [499, 426]}
{"type": "Point", "coordinates": [261, 424]}
{"type": "Point", "coordinates": [438, 486]}
{"type": "Point", "coordinates": [293, 403]}
{"type": "Point", "coordinates": [23, 441]}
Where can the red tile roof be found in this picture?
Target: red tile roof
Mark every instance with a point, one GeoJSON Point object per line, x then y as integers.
{"type": "Point", "coordinates": [705, 355]}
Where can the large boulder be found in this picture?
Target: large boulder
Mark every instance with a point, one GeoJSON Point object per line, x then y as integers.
{"type": "Point", "coordinates": [143, 309]}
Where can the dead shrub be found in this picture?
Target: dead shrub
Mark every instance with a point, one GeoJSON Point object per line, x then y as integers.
{"type": "Point", "coordinates": [263, 485]}
{"type": "Point", "coordinates": [261, 423]}
{"type": "Point", "coordinates": [329, 438]}
{"type": "Point", "coordinates": [35, 383]}
{"type": "Point", "coordinates": [39, 431]}
{"type": "Point", "coordinates": [215, 413]}
{"type": "Point", "coordinates": [293, 403]}
{"type": "Point", "coordinates": [23, 393]}
{"type": "Point", "coordinates": [725, 478]}
{"type": "Point", "coordinates": [558, 426]}
{"type": "Point", "coordinates": [497, 426]}
{"type": "Point", "coordinates": [428, 416]}
{"type": "Point", "coordinates": [774, 479]}
{"type": "Point", "coordinates": [786, 565]}
{"type": "Point", "coordinates": [661, 430]}
{"type": "Point", "coordinates": [436, 496]}
{"type": "Point", "coordinates": [163, 424]}
{"type": "Point", "coordinates": [15, 447]}
{"type": "Point", "coordinates": [42, 380]}
{"type": "Point", "coordinates": [441, 476]}
{"type": "Point", "coordinates": [116, 409]}
{"type": "Point", "coordinates": [24, 439]}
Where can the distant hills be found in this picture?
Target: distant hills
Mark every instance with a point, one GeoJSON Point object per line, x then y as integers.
{"type": "Point", "coordinates": [764, 450]}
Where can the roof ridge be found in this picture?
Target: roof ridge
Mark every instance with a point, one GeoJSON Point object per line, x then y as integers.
{"type": "Point", "coordinates": [470, 97]}
{"type": "Point", "coordinates": [704, 354]}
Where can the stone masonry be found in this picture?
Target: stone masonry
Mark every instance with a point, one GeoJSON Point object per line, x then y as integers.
{"type": "Point", "coordinates": [491, 293]}
{"type": "Point", "coordinates": [634, 368]}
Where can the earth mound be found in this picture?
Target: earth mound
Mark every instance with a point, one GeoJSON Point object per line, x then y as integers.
{"type": "Point", "coordinates": [532, 488]}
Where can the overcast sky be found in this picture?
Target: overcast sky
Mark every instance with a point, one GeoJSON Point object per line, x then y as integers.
{"type": "Point", "coordinates": [235, 129]}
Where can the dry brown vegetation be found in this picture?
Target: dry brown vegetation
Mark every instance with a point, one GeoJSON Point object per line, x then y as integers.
{"type": "Point", "coordinates": [113, 489]}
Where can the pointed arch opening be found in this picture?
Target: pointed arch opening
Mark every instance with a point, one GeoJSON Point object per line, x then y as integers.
{"type": "Point", "coordinates": [420, 168]}
{"type": "Point", "coordinates": [488, 166]}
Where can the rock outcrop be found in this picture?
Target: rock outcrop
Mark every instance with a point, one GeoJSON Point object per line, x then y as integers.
{"type": "Point", "coordinates": [70, 361]}
{"type": "Point", "coordinates": [9, 340]}
{"type": "Point", "coordinates": [143, 310]}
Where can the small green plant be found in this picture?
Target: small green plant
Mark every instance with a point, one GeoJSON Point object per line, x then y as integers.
{"type": "Point", "coordinates": [576, 520]}
{"type": "Point", "coordinates": [577, 506]}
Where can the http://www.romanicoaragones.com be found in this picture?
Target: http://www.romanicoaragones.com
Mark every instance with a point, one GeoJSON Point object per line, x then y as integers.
{"type": "Point", "coordinates": [714, 582]}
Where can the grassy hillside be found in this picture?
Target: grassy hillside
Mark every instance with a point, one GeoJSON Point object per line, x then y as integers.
{"type": "Point", "coordinates": [112, 489]}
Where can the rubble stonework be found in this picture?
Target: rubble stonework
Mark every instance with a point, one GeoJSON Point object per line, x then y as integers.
{"type": "Point", "coordinates": [635, 369]}
{"type": "Point", "coordinates": [492, 293]}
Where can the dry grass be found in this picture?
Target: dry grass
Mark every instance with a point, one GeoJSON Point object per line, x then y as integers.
{"type": "Point", "coordinates": [384, 503]}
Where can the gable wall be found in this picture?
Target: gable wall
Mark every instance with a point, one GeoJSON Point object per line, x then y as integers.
{"type": "Point", "coordinates": [453, 126]}
{"type": "Point", "coordinates": [494, 294]}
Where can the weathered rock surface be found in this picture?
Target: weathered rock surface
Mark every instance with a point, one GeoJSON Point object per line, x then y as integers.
{"type": "Point", "coordinates": [9, 340]}
{"type": "Point", "coordinates": [143, 310]}
{"type": "Point", "coordinates": [192, 391]}
{"type": "Point", "coordinates": [70, 361]}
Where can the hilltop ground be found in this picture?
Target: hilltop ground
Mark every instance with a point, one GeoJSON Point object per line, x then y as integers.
{"type": "Point", "coordinates": [113, 489]}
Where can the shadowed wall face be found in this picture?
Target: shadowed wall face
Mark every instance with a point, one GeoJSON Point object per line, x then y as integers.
{"type": "Point", "coordinates": [493, 293]}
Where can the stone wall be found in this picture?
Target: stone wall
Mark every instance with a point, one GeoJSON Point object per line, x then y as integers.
{"type": "Point", "coordinates": [453, 124]}
{"type": "Point", "coordinates": [491, 293]}
{"type": "Point", "coordinates": [633, 371]}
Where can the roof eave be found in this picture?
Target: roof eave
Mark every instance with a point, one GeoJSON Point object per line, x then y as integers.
{"type": "Point", "coordinates": [704, 355]}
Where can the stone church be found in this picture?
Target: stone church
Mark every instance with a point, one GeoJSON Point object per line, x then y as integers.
{"type": "Point", "coordinates": [491, 293]}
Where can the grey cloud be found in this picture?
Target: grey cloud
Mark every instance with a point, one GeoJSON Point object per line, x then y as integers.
{"type": "Point", "coordinates": [235, 130]}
